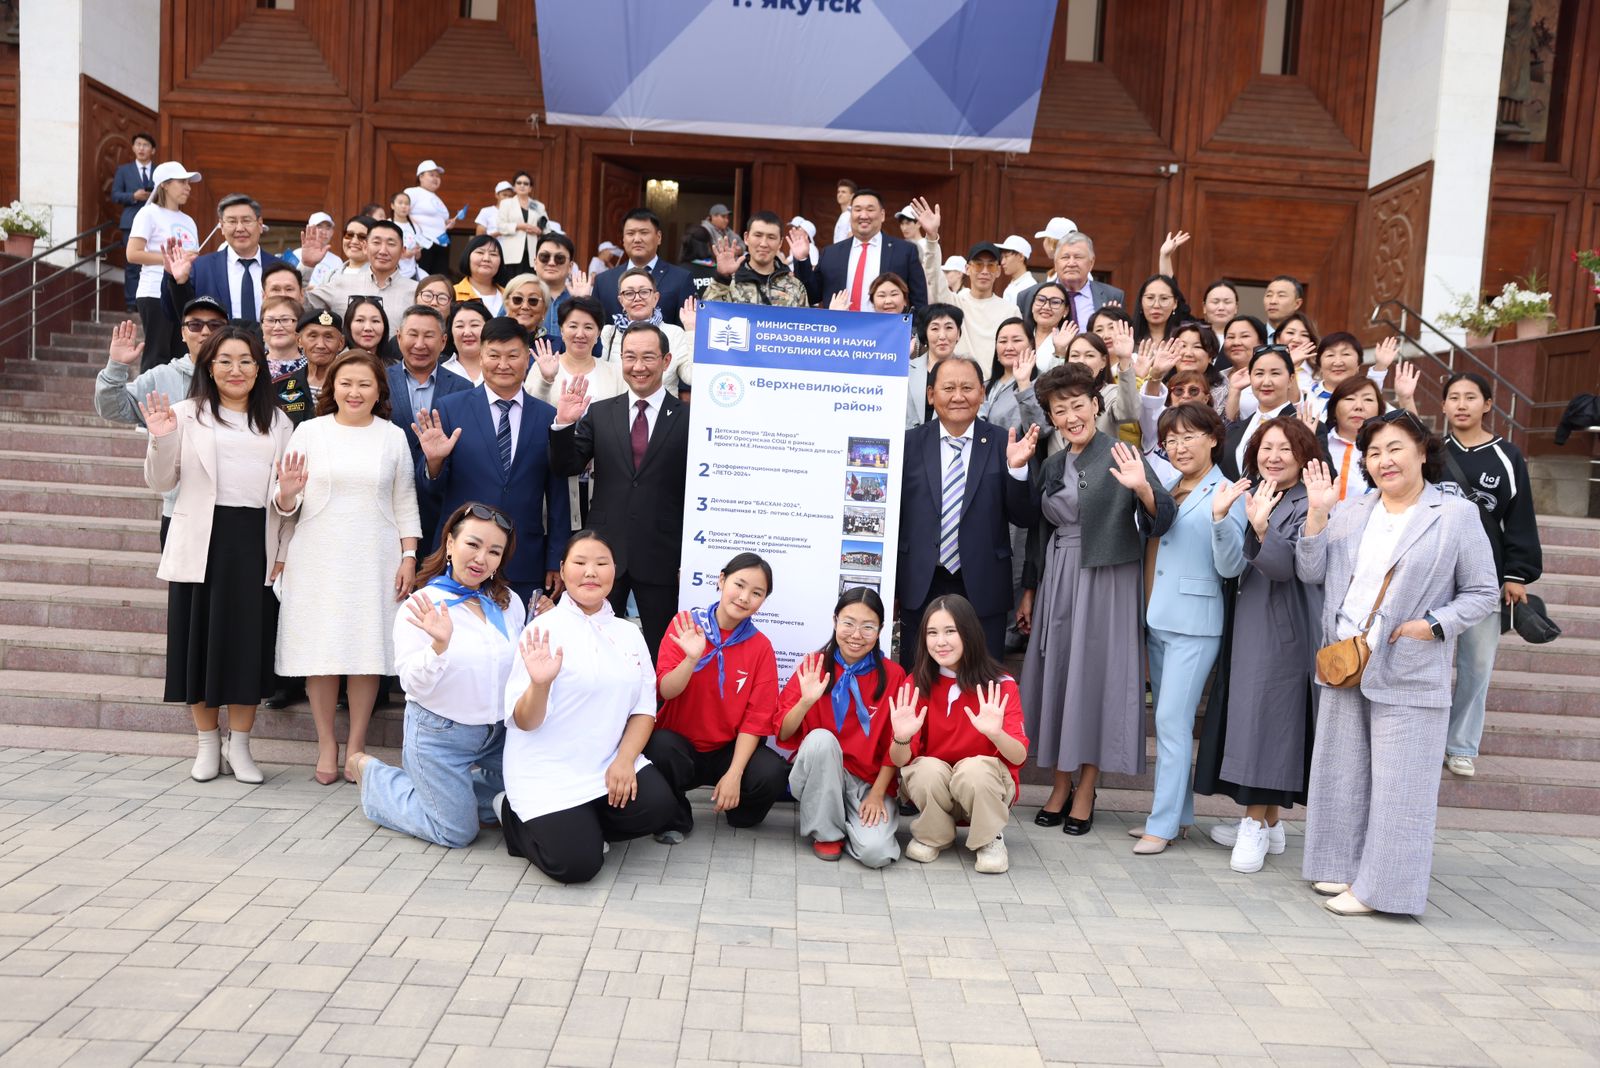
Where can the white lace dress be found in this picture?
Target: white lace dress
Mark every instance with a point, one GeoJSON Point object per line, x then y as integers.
{"type": "Point", "coordinates": [338, 580]}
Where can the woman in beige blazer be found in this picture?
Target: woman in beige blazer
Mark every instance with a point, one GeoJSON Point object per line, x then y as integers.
{"type": "Point", "coordinates": [219, 448]}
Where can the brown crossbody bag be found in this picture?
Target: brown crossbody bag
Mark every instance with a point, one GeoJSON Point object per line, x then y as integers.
{"type": "Point", "coordinates": [1341, 664]}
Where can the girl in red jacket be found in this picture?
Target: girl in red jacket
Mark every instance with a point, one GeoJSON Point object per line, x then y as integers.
{"type": "Point", "coordinates": [960, 750]}
{"type": "Point", "coordinates": [834, 715]}
{"type": "Point", "coordinates": [718, 681]}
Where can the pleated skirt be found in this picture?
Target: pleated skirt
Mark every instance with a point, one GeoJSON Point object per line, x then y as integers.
{"type": "Point", "coordinates": [221, 632]}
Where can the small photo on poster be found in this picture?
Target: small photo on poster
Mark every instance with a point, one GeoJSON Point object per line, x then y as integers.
{"type": "Point", "coordinates": [864, 521]}
{"type": "Point", "coordinates": [861, 555]}
{"type": "Point", "coordinates": [866, 487]}
{"type": "Point", "coordinates": [849, 582]}
{"type": "Point", "coordinates": [869, 452]}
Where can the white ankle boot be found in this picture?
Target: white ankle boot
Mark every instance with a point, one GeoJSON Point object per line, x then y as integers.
{"type": "Point", "coordinates": [244, 768]}
{"type": "Point", "coordinates": [208, 760]}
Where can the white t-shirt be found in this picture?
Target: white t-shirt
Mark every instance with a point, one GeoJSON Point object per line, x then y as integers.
{"type": "Point", "coordinates": [465, 683]}
{"type": "Point", "coordinates": [489, 219]}
{"type": "Point", "coordinates": [428, 215]}
{"type": "Point", "coordinates": [158, 225]}
{"type": "Point", "coordinates": [244, 461]}
{"type": "Point", "coordinates": [606, 677]}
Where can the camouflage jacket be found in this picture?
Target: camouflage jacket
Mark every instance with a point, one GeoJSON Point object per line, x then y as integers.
{"type": "Point", "coordinates": [780, 288]}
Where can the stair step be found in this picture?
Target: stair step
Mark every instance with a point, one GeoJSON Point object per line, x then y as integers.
{"type": "Point", "coordinates": [52, 369]}
{"type": "Point", "coordinates": [34, 400]}
{"type": "Point", "coordinates": [1570, 560]}
{"type": "Point", "coordinates": [1545, 694]}
{"type": "Point", "coordinates": [68, 388]}
{"type": "Point", "coordinates": [21, 466]}
{"type": "Point", "coordinates": [107, 439]}
{"type": "Point", "coordinates": [125, 702]}
{"type": "Point", "coordinates": [1529, 734]}
{"type": "Point", "coordinates": [1564, 656]}
{"type": "Point", "coordinates": [1569, 590]}
{"type": "Point", "coordinates": [76, 417]}
{"type": "Point", "coordinates": [1569, 530]}
{"type": "Point", "coordinates": [80, 531]}
{"type": "Point", "coordinates": [86, 607]}
{"type": "Point", "coordinates": [132, 502]}
{"type": "Point", "coordinates": [57, 566]}
{"type": "Point", "coordinates": [82, 652]}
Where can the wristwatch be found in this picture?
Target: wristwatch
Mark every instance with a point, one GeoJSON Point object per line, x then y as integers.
{"type": "Point", "coordinates": [1438, 628]}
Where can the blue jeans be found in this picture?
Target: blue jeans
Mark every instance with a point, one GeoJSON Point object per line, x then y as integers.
{"type": "Point", "coordinates": [1475, 650]}
{"type": "Point", "coordinates": [445, 790]}
{"type": "Point", "coordinates": [1179, 664]}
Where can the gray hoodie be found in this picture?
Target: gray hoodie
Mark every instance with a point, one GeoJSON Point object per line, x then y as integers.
{"type": "Point", "coordinates": [116, 398]}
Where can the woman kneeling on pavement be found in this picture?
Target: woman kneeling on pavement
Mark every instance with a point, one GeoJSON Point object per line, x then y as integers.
{"type": "Point", "coordinates": [835, 716]}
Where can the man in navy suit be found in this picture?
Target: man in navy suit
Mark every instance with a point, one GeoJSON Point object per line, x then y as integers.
{"type": "Point", "coordinates": [416, 385]}
{"type": "Point", "coordinates": [231, 276]}
{"type": "Point", "coordinates": [641, 238]}
{"type": "Point", "coordinates": [850, 266]}
{"type": "Point", "coordinates": [1074, 260]}
{"type": "Point", "coordinates": [131, 188]}
{"type": "Point", "coordinates": [964, 479]}
{"type": "Point", "coordinates": [492, 444]}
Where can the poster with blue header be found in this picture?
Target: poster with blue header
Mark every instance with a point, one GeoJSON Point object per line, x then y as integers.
{"type": "Point", "coordinates": [796, 431]}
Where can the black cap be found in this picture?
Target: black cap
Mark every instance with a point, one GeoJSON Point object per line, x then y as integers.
{"type": "Point", "coordinates": [207, 304]}
{"type": "Point", "coordinates": [985, 247]}
{"type": "Point", "coordinates": [319, 317]}
{"type": "Point", "coordinates": [1531, 621]}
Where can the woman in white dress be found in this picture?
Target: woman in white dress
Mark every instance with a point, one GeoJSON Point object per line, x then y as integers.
{"type": "Point", "coordinates": [348, 479]}
{"type": "Point", "coordinates": [579, 707]}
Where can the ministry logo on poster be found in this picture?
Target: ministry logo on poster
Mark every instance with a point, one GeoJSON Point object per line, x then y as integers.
{"type": "Point", "coordinates": [729, 335]}
{"type": "Point", "coordinates": [726, 389]}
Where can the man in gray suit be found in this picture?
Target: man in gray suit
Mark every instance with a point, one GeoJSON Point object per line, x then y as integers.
{"type": "Point", "coordinates": [1074, 262]}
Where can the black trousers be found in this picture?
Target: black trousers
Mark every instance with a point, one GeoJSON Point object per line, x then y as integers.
{"type": "Point", "coordinates": [130, 284]}
{"type": "Point", "coordinates": [685, 767]}
{"type": "Point", "coordinates": [163, 338]}
{"type": "Point", "coordinates": [944, 583]}
{"type": "Point", "coordinates": [434, 259]}
{"type": "Point", "coordinates": [657, 605]}
{"type": "Point", "coordinates": [567, 845]}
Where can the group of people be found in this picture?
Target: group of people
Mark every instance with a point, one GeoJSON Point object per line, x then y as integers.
{"type": "Point", "coordinates": [368, 478]}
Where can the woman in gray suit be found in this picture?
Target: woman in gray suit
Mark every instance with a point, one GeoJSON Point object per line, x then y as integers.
{"type": "Point", "coordinates": [1375, 775]}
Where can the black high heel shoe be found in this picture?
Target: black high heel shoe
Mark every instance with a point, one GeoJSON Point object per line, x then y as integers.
{"type": "Point", "coordinates": [1046, 818]}
{"type": "Point", "coordinates": [1074, 826]}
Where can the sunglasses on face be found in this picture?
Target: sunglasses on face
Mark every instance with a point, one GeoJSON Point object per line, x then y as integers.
{"type": "Point", "coordinates": [553, 257]}
{"type": "Point", "coordinates": [517, 302]}
{"type": "Point", "coordinates": [351, 235]}
{"type": "Point", "coordinates": [202, 326]}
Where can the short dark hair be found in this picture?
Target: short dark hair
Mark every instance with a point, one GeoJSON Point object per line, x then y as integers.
{"type": "Point", "coordinates": [745, 561]}
{"type": "Point", "coordinates": [552, 237]}
{"type": "Point", "coordinates": [937, 370]}
{"type": "Point", "coordinates": [1067, 380]}
{"type": "Point", "coordinates": [277, 267]}
{"type": "Point", "coordinates": [504, 328]}
{"type": "Point", "coordinates": [1255, 324]}
{"type": "Point", "coordinates": [1220, 283]}
{"type": "Point", "coordinates": [586, 534]}
{"type": "Point", "coordinates": [327, 404]}
{"type": "Point", "coordinates": [363, 218]}
{"type": "Point", "coordinates": [1338, 337]}
{"type": "Point", "coordinates": [642, 215]}
{"type": "Point", "coordinates": [388, 224]}
{"type": "Point", "coordinates": [638, 272]}
{"type": "Point", "coordinates": [864, 192]}
{"type": "Point", "coordinates": [771, 218]}
{"type": "Point", "coordinates": [1299, 287]}
{"type": "Point", "coordinates": [846, 183]}
{"type": "Point", "coordinates": [1302, 443]}
{"type": "Point", "coordinates": [930, 312]}
{"type": "Point", "coordinates": [1201, 418]}
{"type": "Point", "coordinates": [589, 305]}
{"type": "Point", "coordinates": [1108, 311]}
{"type": "Point", "coordinates": [1348, 388]}
{"type": "Point", "coordinates": [424, 311]}
{"type": "Point", "coordinates": [234, 200]}
{"type": "Point", "coordinates": [477, 242]}
{"type": "Point", "coordinates": [144, 135]}
{"type": "Point", "coordinates": [1484, 385]}
{"type": "Point", "coordinates": [889, 278]}
{"type": "Point", "coordinates": [1433, 457]}
{"type": "Point", "coordinates": [664, 347]}
{"type": "Point", "coordinates": [1208, 344]}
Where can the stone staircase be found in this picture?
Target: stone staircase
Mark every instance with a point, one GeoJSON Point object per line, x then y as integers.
{"type": "Point", "coordinates": [82, 615]}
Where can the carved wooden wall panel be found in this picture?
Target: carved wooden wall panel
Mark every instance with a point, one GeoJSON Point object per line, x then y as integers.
{"type": "Point", "coordinates": [1394, 238]}
{"type": "Point", "coordinates": [107, 121]}
{"type": "Point", "coordinates": [310, 51]}
{"type": "Point", "coordinates": [8, 123]}
{"type": "Point", "coordinates": [290, 184]}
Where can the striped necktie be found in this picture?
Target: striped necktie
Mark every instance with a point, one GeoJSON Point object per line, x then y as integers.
{"type": "Point", "coordinates": [955, 482]}
{"type": "Point", "coordinates": [502, 434]}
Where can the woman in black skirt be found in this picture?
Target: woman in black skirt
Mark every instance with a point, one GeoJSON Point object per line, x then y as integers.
{"type": "Point", "coordinates": [225, 546]}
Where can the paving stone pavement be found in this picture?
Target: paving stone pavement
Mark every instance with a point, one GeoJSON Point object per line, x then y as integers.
{"type": "Point", "coordinates": [148, 919]}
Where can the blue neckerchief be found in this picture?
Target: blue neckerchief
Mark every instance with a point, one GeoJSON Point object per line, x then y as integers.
{"type": "Point", "coordinates": [847, 692]}
{"type": "Point", "coordinates": [491, 611]}
{"type": "Point", "coordinates": [706, 620]}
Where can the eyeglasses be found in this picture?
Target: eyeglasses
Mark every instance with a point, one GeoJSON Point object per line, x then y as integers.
{"type": "Point", "coordinates": [635, 294]}
{"type": "Point", "coordinates": [203, 326]}
{"type": "Point", "coordinates": [278, 320]}
{"type": "Point", "coordinates": [1182, 441]}
{"type": "Point", "coordinates": [433, 297]}
{"type": "Point", "coordinates": [483, 511]}
{"type": "Point", "coordinates": [554, 257]}
{"type": "Point", "coordinates": [850, 626]}
{"type": "Point", "coordinates": [635, 360]}
{"type": "Point", "coordinates": [246, 364]}
{"type": "Point", "coordinates": [1049, 302]}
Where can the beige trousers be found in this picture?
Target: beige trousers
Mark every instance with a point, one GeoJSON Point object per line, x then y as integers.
{"type": "Point", "coordinates": [978, 790]}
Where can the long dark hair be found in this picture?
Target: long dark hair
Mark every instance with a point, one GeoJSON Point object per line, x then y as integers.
{"type": "Point", "coordinates": [1208, 343]}
{"type": "Point", "coordinates": [995, 369]}
{"type": "Point", "coordinates": [1066, 312]}
{"type": "Point", "coordinates": [350, 313]}
{"type": "Point", "coordinates": [869, 598]}
{"type": "Point", "coordinates": [745, 561]}
{"type": "Point", "coordinates": [976, 667]}
{"type": "Point", "coordinates": [327, 405]}
{"type": "Point", "coordinates": [496, 586]}
{"type": "Point", "coordinates": [258, 405]}
{"type": "Point", "coordinates": [1180, 308]}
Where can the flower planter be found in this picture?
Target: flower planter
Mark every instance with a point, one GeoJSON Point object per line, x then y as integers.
{"type": "Point", "coordinates": [1533, 327]}
{"type": "Point", "coordinates": [1478, 340]}
{"type": "Point", "coordinates": [20, 245]}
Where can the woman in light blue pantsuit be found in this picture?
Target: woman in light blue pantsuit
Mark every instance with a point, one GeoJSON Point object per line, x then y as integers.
{"type": "Point", "coordinates": [1186, 568]}
{"type": "Point", "coordinates": [1375, 769]}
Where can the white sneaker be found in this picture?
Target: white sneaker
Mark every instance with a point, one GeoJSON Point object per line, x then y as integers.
{"type": "Point", "coordinates": [1250, 850]}
{"type": "Point", "coordinates": [922, 852]}
{"type": "Point", "coordinates": [499, 799]}
{"type": "Point", "coordinates": [1461, 765]}
{"type": "Point", "coordinates": [993, 858]}
{"type": "Point", "coordinates": [1227, 834]}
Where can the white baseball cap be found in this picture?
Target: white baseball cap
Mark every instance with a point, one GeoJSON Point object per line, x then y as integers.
{"type": "Point", "coordinates": [502, 187]}
{"type": "Point", "coordinates": [1057, 228]}
{"type": "Point", "coordinates": [955, 263]}
{"type": "Point", "coordinates": [608, 246]}
{"type": "Point", "coordinates": [908, 213]}
{"type": "Point", "coordinates": [553, 227]}
{"type": "Point", "coordinates": [171, 169]}
{"type": "Point", "coordinates": [428, 165]}
{"type": "Point", "coordinates": [318, 218]}
{"type": "Point", "coordinates": [1018, 244]}
{"type": "Point", "coordinates": [805, 224]}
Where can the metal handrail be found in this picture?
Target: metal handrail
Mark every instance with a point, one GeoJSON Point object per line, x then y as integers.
{"type": "Point", "coordinates": [37, 309]}
{"type": "Point", "coordinates": [1454, 348]}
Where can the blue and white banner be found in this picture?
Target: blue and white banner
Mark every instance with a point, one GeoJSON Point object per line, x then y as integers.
{"type": "Point", "coordinates": [920, 73]}
{"type": "Point", "coordinates": [796, 428]}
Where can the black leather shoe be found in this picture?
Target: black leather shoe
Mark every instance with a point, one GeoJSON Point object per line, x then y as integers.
{"type": "Point", "coordinates": [1046, 818]}
{"type": "Point", "coordinates": [907, 808]}
{"type": "Point", "coordinates": [1073, 826]}
{"type": "Point", "coordinates": [282, 699]}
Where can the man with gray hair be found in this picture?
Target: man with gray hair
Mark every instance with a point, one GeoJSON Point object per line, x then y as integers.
{"type": "Point", "coordinates": [1074, 262]}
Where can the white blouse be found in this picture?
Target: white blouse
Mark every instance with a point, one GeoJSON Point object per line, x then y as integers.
{"type": "Point", "coordinates": [1378, 541]}
{"type": "Point", "coordinates": [244, 462]}
{"type": "Point", "coordinates": [606, 677]}
{"type": "Point", "coordinates": [467, 681]}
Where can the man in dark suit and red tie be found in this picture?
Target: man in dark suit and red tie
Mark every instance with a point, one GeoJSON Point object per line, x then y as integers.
{"type": "Point", "coordinates": [850, 266]}
{"type": "Point", "coordinates": [131, 187]}
{"type": "Point", "coordinates": [965, 479]}
{"type": "Point", "coordinates": [639, 444]}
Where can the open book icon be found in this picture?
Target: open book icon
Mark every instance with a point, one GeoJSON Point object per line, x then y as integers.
{"type": "Point", "coordinates": [729, 334]}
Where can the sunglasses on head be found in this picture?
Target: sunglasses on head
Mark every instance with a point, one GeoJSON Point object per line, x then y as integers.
{"type": "Point", "coordinates": [1396, 415]}
{"type": "Point", "coordinates": [1262, 350]}
{"type": "Point", "coordinates": [483, 511]}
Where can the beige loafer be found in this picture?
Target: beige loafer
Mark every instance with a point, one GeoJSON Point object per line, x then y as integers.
{"type": "Point", "coordinates": [1149, 846]}
{"type": "Point", "coordinates": [1330, 889]}
{"type": "Point", "coordinates": [1347, 905]}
